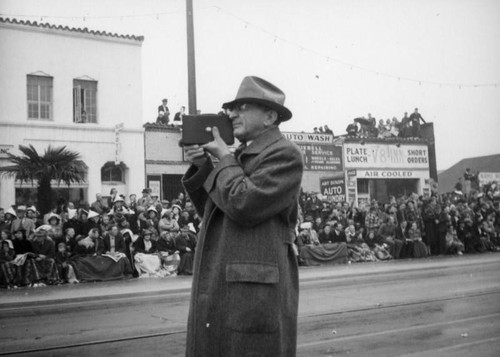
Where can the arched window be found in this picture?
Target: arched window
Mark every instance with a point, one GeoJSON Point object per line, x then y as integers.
{"type": "Point", "coordinates": [113, 173]}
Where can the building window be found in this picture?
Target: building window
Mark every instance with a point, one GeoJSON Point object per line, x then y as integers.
{"type": "Point", "coordinates": [84, 101]}
{"type": "Point", "coordinates": [112, 173]}
{"type": "Point", "coordinates": [39, 97]}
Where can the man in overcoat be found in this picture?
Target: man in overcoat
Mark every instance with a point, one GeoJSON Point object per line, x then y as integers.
{"type": "Point", "coordinates": [244, 297]}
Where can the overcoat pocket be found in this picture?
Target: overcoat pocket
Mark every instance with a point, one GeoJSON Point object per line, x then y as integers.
{"type": "Point", "coordinates": [253, 298]}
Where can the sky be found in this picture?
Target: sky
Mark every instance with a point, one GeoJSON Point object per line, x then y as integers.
{"type": "Point", "coordinates": [335, 59]}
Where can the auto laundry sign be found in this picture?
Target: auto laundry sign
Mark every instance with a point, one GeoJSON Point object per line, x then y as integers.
{"type": "Point", "coordinates": [319, 152]}
{"type": "Point", "coordinates": [333, 188]}
{"type": "Point", "coordinates": [386, 156]}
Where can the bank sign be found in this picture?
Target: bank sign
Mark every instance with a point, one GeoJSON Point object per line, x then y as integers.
{"type": "Point", "coordinates": [333, 188]}
{"type": "Point", "coordinates": [319, 152]}
{"type": "Point", "coordinates": [386, 156]}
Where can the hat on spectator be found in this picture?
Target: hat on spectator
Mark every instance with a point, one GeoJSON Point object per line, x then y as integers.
{"type": "Point", "coordinates": [146, 232]}
{"type": "Point", "coordinates": [56, 216]}
{"type": "Point", "coordinates": [93, 214]}
{"type": "Point", "coordinates": [21, 208]}
{"type": "Point", "coordinates": [146, 190]}
{"type": "Point", "coordinates": [152, 208]}
{"type": "Point", "coordinates": [306, 225]}
{"type": "Point", "coordinates": [165, 211]}
{"type": "Point", "coordinates": [118, 198]}
{"type": "Point", "coordinates": [43, 230]}
{"type": "Point", "coordinates": [178, 207]}
{"type": "Point", "coordinates": [259, 91]}
{"type": "Point", "coordinates": [31, 208]}
{"type": "Point", "coordinates": [11, 211]}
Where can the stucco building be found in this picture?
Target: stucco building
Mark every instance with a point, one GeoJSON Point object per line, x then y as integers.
{"type": "Point", "coordinates": [77, 88]}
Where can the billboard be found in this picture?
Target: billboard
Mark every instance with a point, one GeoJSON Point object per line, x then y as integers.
{"type": "Point", "coordinates": [319, 152]}
{"type": "Point", "coordinates": [368, 155]}
{"type": "Point", "coordinates": [333, 188]}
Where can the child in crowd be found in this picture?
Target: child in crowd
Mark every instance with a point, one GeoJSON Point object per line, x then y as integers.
{"type": "Point", "coordinates": [64, 267]}
{"type": "Point", "coordinates": [7, 268]}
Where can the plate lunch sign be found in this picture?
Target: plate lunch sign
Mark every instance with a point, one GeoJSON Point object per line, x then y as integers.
{"type": "Point", "coordinates": [319, 152]}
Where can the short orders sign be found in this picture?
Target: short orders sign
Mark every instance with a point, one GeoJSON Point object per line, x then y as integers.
{"type": "Point", "coordinates": [333, 188]}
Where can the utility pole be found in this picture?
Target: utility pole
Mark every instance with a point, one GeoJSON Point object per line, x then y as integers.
{"type": "Point", "coordinates": [191, 58]}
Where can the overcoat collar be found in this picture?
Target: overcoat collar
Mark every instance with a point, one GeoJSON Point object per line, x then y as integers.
{"type": "Point", "coordinates": [267, 138]}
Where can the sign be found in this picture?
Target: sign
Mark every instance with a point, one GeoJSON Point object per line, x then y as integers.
{"type": "Point", "coordinates": [386, 156]}
{"type": "Point", "coordinates": [4, 150]}
{"type": "Point", "coordinates": [487, 177]}
{"type": "Point", "coordinates": [155, 188]}
{"type": "Point", "coordinates": [384, 174]}
{"type": "Point", "coordinates": [118, 128]}
{"type": "Point", "coordinates": [319, 152]}
{"type": "Point", "coordinates": [351, 173]}
{"type": "Point", "coordinates": [333, 188]}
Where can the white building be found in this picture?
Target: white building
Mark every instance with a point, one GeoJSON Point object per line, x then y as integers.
{"type": "Point", "coordinates": [76, 88]}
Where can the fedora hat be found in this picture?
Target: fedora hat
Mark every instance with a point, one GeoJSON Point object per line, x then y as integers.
{"type": "Point", "coordinates": [259, 91]}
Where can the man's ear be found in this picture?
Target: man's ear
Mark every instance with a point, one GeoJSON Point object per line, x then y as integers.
{"type": "Point", "coordinates": [271, 118]}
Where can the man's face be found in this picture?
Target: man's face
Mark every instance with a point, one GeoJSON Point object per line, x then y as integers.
{"type": "Point", "coordinates": [248, 121]}
{"type": "Point", "coordinates": [114, 231]}
{"type": "Point", "coordinates": [98, 197]}
{"type": "Point", "coordinates": [20, 214]}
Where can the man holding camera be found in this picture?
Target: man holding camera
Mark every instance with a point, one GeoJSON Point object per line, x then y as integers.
{"type": "Point", "coordinates": [244, 297]}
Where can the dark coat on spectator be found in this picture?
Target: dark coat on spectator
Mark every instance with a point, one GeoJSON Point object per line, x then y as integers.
{"type": "Point", "coordinates": [140, 247]}
{"type": "Point", "coordinates": [119, 243]}
{"type": "Point", "coordinates": [244, 299]}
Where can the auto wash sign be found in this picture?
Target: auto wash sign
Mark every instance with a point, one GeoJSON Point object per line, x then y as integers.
{"type": "Point", "coordinates": [386, 156]}
{"type": "Point", "coordinates": [333, 188]}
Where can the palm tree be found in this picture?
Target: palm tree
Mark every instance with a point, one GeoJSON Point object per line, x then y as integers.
{"type": "Point", "coordinates": [57, 163]}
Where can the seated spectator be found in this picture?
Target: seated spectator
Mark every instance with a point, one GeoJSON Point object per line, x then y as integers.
{"type": "Point", "coordinates": [177, 122]}
{"type": "Point", "coordinates": [387, 232]}
{"type": "Point", "coordinates": [338, 233]}
{"type": "Point", "coordinates": [328, 130]}
{"type": "Point", "coordinates": [147, 259]}
{"type": "Point", "coordinates": [168, 252]}
{"type": "Point", "coordinates": [64, 268]}
{"type": "Point", "coordinates": [377, 246]}
{"type": "Point", "coordinates": [352, 129]}
{"type": "Point", "coordinates": [415, 236]}
{"type": "Point", "coordinates": [44, 252]}
{"type": "Point", "coordinates": [326, 235]}
{"type": "Point", "coordinates": [7, 267]}
{"type": "Point", "coordinates": [453, 244]}
{"type": "Point", "coordinates": [358, 250]}
{"type": "Point", "coordinates": [185, 243]}
{"type": "Point", "coordinates": [167, 225]}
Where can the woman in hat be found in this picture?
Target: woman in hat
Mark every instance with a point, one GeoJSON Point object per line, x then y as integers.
{"type": "Point", "coordinates": [167, 225]}
{"type": "Point", "coordinates": [55, 226]}
{"type": "Point", "coordinates": [10, 216]}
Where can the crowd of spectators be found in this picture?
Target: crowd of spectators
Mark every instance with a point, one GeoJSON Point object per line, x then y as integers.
{"type": "Point", "coordinates": [163, 117]}
{"type": "Point", "coordinates": [113, 238]}
{"type": "Point", "coordinates": [368, 127]}
{"type": "Point", "coordinates": [403, 227]}
{"type": "Point", "coordinates": [117, 237]}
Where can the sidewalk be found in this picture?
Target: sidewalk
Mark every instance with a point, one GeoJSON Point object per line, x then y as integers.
{"type": "Point", "coordinates": [74, 293]}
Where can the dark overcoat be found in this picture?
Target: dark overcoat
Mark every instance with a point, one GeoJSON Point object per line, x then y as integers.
{"type": "Point", "coordinates": [244, 297]}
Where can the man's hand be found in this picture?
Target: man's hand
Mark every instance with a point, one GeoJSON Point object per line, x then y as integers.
{"type": "Point", "coordinates": [195, 154]}
{"type": "Point", "coordinates": [218, 147]}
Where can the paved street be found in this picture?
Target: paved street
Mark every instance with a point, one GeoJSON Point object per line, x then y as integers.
{"type": "Point", "coordinates": [443, 306]}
